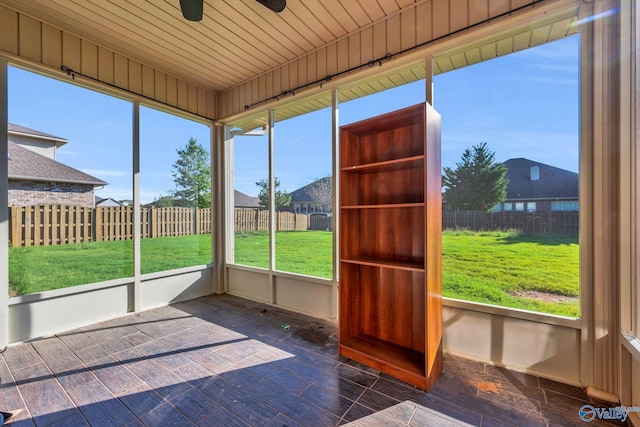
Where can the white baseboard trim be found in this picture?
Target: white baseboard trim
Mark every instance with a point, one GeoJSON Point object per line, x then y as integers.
{"type": "Point", "coordinates": [602, 395]}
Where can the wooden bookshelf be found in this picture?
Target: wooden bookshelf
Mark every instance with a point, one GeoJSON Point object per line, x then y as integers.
{"type": "Point", "coordinates": [390, 244]}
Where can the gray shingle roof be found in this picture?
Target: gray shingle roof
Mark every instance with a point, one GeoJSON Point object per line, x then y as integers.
{"type": "Point", "coordinates": [302, 194]}
{"type": "Point", "coordinates": [241, 200]}
{"type": "Point", "coordinates": [27, 165]}
{"type": "Point", "coordinates": [554, 183]}
{"type": "Point", "coordinates": [21, 129]}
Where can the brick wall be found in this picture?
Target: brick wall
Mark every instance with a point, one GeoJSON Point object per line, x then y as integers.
{"type": "Point", "coordinates": [28, 193]}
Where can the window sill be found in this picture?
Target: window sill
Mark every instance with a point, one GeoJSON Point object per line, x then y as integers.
{"type": "Point", "coordinates": [283, 274]}
{"type": "Point", "coordinates": [515, 313]}
{"type": "Point", "coordinates": [92, 287]}
{"type": "Point", "coordinates": [71, 290]}
{"type": "Point", "coordinates": [632, 344]}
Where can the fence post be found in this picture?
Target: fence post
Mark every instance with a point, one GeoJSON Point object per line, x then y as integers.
{"type": "Point", "coordinates": [257, 212]}
{"type": "Point", "coordinates": [195, 220]}
{"type": "Point", "coordinates": [100, 235]}
{"type": "Point", "coordinates": [153, 219]}
{"type": "Point", "coordinates": [77, 212]}
{"type": "Point", "coordinates": [27, 227]}
{"type": "Point", "coordinates": [14, 225]}
{"type": "Point", "coordinates": [92, 219]}
{"type": "Point", "coordinates": [194, 229]}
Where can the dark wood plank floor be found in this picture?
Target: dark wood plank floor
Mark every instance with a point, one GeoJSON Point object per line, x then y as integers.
{"type": "Point", "coordinates": [225, 361]}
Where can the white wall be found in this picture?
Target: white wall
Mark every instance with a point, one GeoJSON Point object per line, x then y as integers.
{"type": "Point", "coordinates": [543, 349]}
{"type": "Point", "coordinates": [526, 342]}
{"type": "Point", "coordinates": [53, 312]}
{"type": "Point", "coordinates": [42, 147]}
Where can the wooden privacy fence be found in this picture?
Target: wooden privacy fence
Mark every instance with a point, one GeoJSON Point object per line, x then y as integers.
{"type": "Point", "coordinates": [110, 223]}
{"type": "Point", "coordinates": [163, 222]}
{"type": "Point", "coordinates": [248, 220]}
{"type": "Point", "coordinates": [559, 222]}
{"type": "Point", "coordinates": [44, 225]}
{"type": "Point", "coordinates": [320, 222]}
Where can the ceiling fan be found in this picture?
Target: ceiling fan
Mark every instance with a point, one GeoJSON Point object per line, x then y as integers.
{"type": "Point", "coordinates": [192, 9]}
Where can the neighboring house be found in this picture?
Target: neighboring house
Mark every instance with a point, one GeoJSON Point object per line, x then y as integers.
{"type": "Point", "coordinates": [241, 200]}
{"type": "Point", "coordinates": [107, 203]}
{"type": "Point", "coordinates": [305, 199]}
{"type": "Point", "coordinates": [35, 177]}
{"type": "Point", "coordinates": [537, 187]}
{"type": "Point", "coordinates": [39, 142]}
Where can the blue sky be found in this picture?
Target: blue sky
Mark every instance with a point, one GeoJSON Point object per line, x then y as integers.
{"type": "Point", "coordinates": [521, 105]}
{"type": "Point", "coordinates": [99, 130]}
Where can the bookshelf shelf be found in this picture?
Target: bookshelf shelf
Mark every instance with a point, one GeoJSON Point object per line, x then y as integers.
{"type": "Point", "coordinates": [390, 247]}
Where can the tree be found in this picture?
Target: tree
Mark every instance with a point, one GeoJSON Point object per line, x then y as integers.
{"type": "Point", "coordinates": [165, 202]}
{"type": "Point", "coordinates": [477, 183]}
{"type": "Point", "coordinates": [192, 176]}
{"type": "Point", "coordinates": [282, 197]}
{"type": "Point", "coordinates": [321, 192]}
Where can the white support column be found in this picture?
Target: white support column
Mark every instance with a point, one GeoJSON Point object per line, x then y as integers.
{"type": "Point", "coordinates": [137, 303]}
{"type": "Point", "coordinates": [428, 76]}
{"type": "Point", "coordinates": [626, 159]}
{"type": "Point", "coordinates": [220, 240]}
{"type": "Point", "coordinates": [635, 168]}
{"type": "Point", "coordinates": [629, 161]}
{"type": "Point", "coordinates": [228, 174]}
{"type": "Point", "coordinates": [4, 210]}
{"type": "Point", "coordinates": [228, 203]}
{"type": "Point", "coordinates": [599, 197]}
{"type": "Point", "coordinates": [272, 210]}
{"type": "Point", "coordinates": [586, 196]}
{"type": "Point", "coordinates": [335, 147]}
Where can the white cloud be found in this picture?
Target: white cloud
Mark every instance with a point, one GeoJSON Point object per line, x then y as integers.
{"type": "Point", "coordinates": [116, 193]}
{"type": "Point", "coordinates": [105, 172]}
{"type": "Point", "coordinates": [567, 68]}
{"type": "Point", "coordinates": [162, 174]}
{"type": "Point", "coordinates": [64, 152]}
{"type": "Point", "coordinates": [556, 81]}
{"type": "Point", "coordinates": [124, 193]}
{"type": "Point", "coordinates": [554, 148]}
{"type": "Point", "coordinates": [565, 49]}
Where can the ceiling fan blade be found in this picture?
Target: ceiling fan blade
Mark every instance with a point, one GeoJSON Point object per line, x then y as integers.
{"type": "Point", "coordinates": [275, 5]}
{"type": "Point", "coordinates": [192, 9]}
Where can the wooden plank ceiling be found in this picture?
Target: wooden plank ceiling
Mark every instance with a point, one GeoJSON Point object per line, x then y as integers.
{"type": "Point", "coordinates": [238, 40]}
{"type": "Point", "coordinates": [235, 41]}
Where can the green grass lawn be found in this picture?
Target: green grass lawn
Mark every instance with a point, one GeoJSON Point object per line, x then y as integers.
{"type": "Point", "coordinates": [503, 268]}
{"type": "Point", "coordinates": [302, 252]}
{"type": "Point", "coordinates": [42, 268]}
{"type": "Point", "coordinates": [494, 267]}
